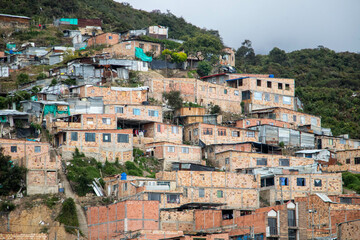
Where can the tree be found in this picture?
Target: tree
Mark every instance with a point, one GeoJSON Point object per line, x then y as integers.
{"type": "Point", "coordinates": [177, 57]}
{"type": "Point", "coordinates": [204, 68]}
{"type": "Point", "coordinates": [12, 177]}
{"type": "Point", "coordinates": [22, 78]}
{"type": "Point", "coordinates": [277, 55]}
{"type": "Point", "coordinates": [245, 54]}
{"type": "Point", "coordinates": [202, 46]}
{"type": "Point", "coordinates": [173, 99]}
{"type": "Point", "coordinates": [215, 109]}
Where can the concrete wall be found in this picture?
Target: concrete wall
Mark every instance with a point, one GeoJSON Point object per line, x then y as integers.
{"type": "Point", "coordinates": [99, 149]}
{"type": "Point", "coordinates": [109, 222]}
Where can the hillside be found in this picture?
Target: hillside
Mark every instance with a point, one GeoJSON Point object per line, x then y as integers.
{"type": "Point", "coordinates": [328, 83]}
{"type": "Point", "coordinates": [116, 16]}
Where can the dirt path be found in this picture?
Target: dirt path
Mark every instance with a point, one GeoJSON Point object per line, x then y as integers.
{"type": "Point", "coordinates": [80, 212]}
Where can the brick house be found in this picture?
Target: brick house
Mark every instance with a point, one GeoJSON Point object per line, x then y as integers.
{"type": "Point", "coordinates": [233, 160]}
{"type": "Point", "coordinates": [214, 134]}
{"type": "Point", "coordinates": [127, 48]}
{"type": "Point", "coordinates": [113, 95]}
{"type": "Point", "coordinates": [103, 144]}
{"type": "Point", "coordinates": [160, 132]}
{"type": "Point", "coordinates": [135, 112]}
{"type": "Point", "coordinates": [325, 213]}
{"type": "Point", "coordinates": [252, 122]}
{"type": "Point", "coordinates": [169, 152]}
{"type": "Point", "coordinates": [290, 116]}
{"type": "Point", "coordinates": [42, 165]}
{"type": "Point", "coordinates": [189, 115]}
{"type": "Point", "coordinates": [12, 21]}
{"type": "Point", "coordinates": [336, 143]}
{"type": "Point", "coordinates": [228, 57]}
{"type": "Point", "coordinates": [107, 39]}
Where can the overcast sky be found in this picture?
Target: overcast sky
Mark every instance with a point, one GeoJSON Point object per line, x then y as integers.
{"type": "Point", "coordinates": [287, 24]}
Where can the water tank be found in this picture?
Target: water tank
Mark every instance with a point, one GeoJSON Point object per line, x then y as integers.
{"type": "Point", "coordinates": [271, 75]}
{"type": "Point", "coordinates": [123, 176]}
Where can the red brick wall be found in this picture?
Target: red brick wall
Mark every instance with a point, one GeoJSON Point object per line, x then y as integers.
{"type": "Point", "coordinates": [104, 39]}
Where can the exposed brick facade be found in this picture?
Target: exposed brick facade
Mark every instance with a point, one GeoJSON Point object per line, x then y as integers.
{"type": "Point", "coordinates": [105, 145]}
{"type": "Point", "coordinates": [135, 112]}
{"type": "Point", "coordinates": [233, 160]}
{"type": "Point", "coordinates": [252, 122]}
{"type": "Point", "coordinates": [336, 143]}
{"type": "Point", "coordinates": [169, 152]}
{"type": "Point", "coordinates": [110, 222]}
{"type": "Point", "coordinates": [215, 134]}
{"type": "Point", "coordinates": [127, 48]}
{"type": "Point", "coordinates": [42, 176]}
{"type": "Point", "coordinates": [211, 150]}
{"type": "Point", "coordinates": [104, 39]}
{"type": "Point", "coordinates": [23, 236]}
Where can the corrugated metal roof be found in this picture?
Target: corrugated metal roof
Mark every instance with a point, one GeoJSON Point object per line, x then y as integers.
{"type": "Point", "coordinates": [309, 151]}
{"type": "Point", "coordinates": [15, 16]}
{"type": "Point", "coordinates": [324, 197]}
{"type": "Point", "coordinates": [8, 112]}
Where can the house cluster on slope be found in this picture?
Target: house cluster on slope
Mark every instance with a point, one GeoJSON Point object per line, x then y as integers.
{"type": "Point", "coordinates": [270, 174]}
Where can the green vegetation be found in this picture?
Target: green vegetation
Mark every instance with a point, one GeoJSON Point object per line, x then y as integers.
{"type": "Point", "coordinates": [7, 206]}
{"type": "Point", "coordinates": [22, 78]}
{"type": "Point", "coordinates": [11, 176]}
{"type": "Point", "coordinates": [177, 57]}
{"type": "Point", "coordinates": [204, 68]}
{"type": "Point", "coordinates": [351, 181]}
{"type": "Point", "coordinates": [167, 43]}
{"type": "Point", "coordinates": [191, 104]}
{"type": "Point", "coordinates": [50, 201]}
{"type": "Point", "coordinates": [68, 216]}
{"type": "Point", "coordinates": [173, 99]}
{"type": "Point", "coordinates": [208, 45]}
{"type": "Point", "coordinates": [326, 82]}
{"type": "Point", "coordinates": [83, 170]}
{"type": "Point", "coordinates": [215, 109]}
{"type": "Point", "coordinates": [41, 76]}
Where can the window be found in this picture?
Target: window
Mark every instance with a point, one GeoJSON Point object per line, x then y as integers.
{"type": "Point", "coordinates": [235, 133]}
{"type": "Point", "coordinates": [74, 136]}
{"type": "Point", "coordinates": [174, 129]}
{"type": "Point", "coordinates": [207, 131]}
{"type": "Point", "coordinates": [284, 162]}
{"type": "Point", "coordinates": [317, 183]}
{"type": "Point", "coordinates": [154, 197]}
{"type": "Point", "coordinates": [222, 132]}
{"type": "Point", "coordinates": [308, 155]}
{"type": "Point", "coordinates": [258, 123]}
{"type": "Point", "coordinates": [291, 218]}
{"type": "Point", "coordinates": [225, 91]}
{"type": "Point", "coordinates": [201, 192]}
{"type": "Point", "coordinates": [173, 198]}
{"type": "Point", "coordinates": [268, 84]}
{"type": "Point", "coordinates": [202, 88]}
{"type": "Point", "coordinates": [287, 86]}
{"type": "Point", "coordinates": [226, 214]}
{"type": "Point", "coordinates": [123, 138]}
{"type": "Point", "coordinates": [185, 150]}
{"type": "Point", "coordinates": [302, 119]}
{"type": "Point", "coordinates": [90, 120]}
{"type": "Point", "coordinates": [153, 113]}
{"type": "Point", "coordinates": [267, 182]}
{"type": "Point", "coordinates": [119, 110]}
{"type": "Point", "coordinates": [342, 141]}
{"type": "Point", "coordinates": [227, 161]}
{"type": "Point", "coordinates": [106, 121]}
{"type": "Point", "coordinates": [261, 161]}
{"type": "Point", "coordinates": [357, 160]}
{"type": "Point", "coordinates": [236, 93]}
{"type": "Point", "coordinates": [292, 234]}
{"type": "Point", "coordinates": [245, 95]}
{"type": "Point", "coordinates": [220, 194]}
{"type": "Point", "coordinates": [300, 181]}
{"type": "Point", "coordinates": [267, 97]}
{"type": "Point", "coordinates": [159, 128]}
{"type": "Point", "coordinates": [128, 46]}
{"type": "Point", "coordinates": [280, 86]}
{"type": "Point", "coordinates": [258, 83]}
{"type": "Point", "coordinates": [257, 95]}
{"type": "Point", "coordinates": [37, 149]}
{"type": "Point", "coordinates": [141, 45]}
{"type": "Point", "coordinates": [285, 117]}
{"type": "Point", "coordinates": [247, 122]}
{"type": "Point", "coordinates": [196, 132]}
{"type": "Point", "coordinates": [124, 187]}
{"type": "Point", "coordinates": [13, 148]}
{"type": "Point", "coordinates": [286, 100]}
{"type": "Point", "coordinates": [331, 141]}
{"type": "Point", "coordinates": [240, 81]}
{"type": "Point", "coordinates": [348, 161]}
{"type": "Point", "coordinates": [250, 134]}
{"type": "Point", "coordinates": [284, 181]}
{"type": "Point", "coordinates": [272, 225]}
{"type": "Point", "coordinates": [89, 137]}
{"type": "Point", "coordinates": [171, 149]}
{"type": "Point", "coordinates": [346, 200]}
{"type": "Point", "coordinates": [211, 89]}
{"type": "Point", "coordinates": [313, 121]}
{"type": "Point", "coordinates": [110, 37]}
{"type": "Point", "coordinates": [136, 111]}
{"type": "Point", "coordinates": [294, 118]}
{"type": "Point", "coordinates": [276, 98]}
{"type": "Point", "coordinates": [106, 137]}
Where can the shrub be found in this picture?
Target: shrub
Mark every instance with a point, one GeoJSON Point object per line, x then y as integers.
{"type": "Point", "coordinates": [22, 78]}
{"type": "Point", "coordinates": [41, 76]}
{"type": "Point", "coordinates": [204, 68]}
{"type": "Point", "coordinates": [173, 99]}
{"type": "Point", "coordinates": [215, 109]}
{"type": "Point", "coordinates": [7, 207]}
{"type": "Point", "coordinates": [68, 215]}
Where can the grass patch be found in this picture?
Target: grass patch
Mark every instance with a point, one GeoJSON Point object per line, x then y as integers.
{"type": "Point", "coordinates": [68, 216]}
{"type": "Point", "coordinates": [351, 181]}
